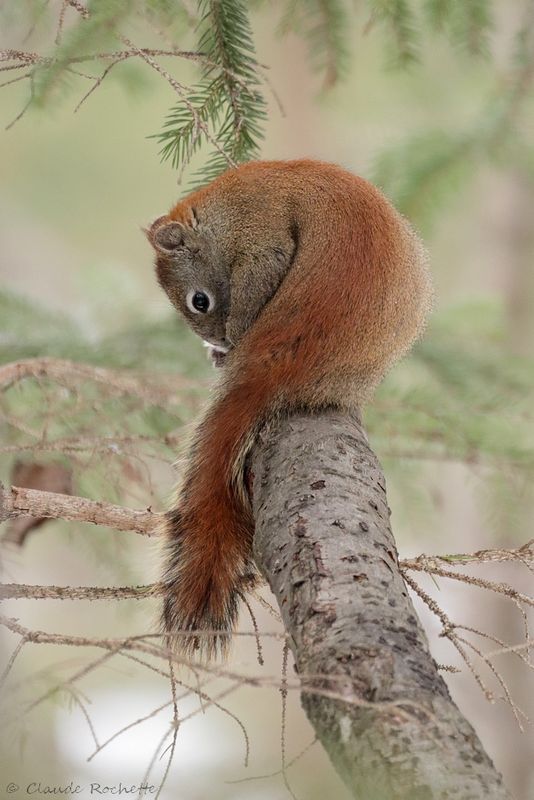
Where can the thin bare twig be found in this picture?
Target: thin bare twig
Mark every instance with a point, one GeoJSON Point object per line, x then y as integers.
{"type": "Point", "coordinates": [81, 704]}
{"type": "Point", "coordinates": [131, 725]}
{"type": "Point", "coordinates": [505, 589]}
{"type": "Point", "coordinates": [25, 106]}
{"type": "Point", "coordinates": [97, 83]}
{"type": "Point", "coordinates": [277, 772]}
{"type": "Point", "coordinates": [81, 673]}
{"type": "Point", "coordinates": [175, 725]}
{"type": "Point", "coordinates": [283, 723]}
{"type": "Point", "coordinates": [76, 444]}
{"type": "Point", "coordinates": [256, 629]}
{"type": "Point", "coordinates": [424, 563]}
{"type": "Point", "coordinates": [25, 58]}
{"type": "Point", "coordinates": [16, 80]}
{"type": "Point", "coordinates": [12, 659]}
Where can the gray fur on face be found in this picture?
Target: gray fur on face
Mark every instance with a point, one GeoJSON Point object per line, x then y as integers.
{"type": "Point", "coordinates": [184, 267]}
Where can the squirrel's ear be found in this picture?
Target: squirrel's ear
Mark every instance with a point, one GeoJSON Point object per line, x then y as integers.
{"type": "Point", "coordinates": [166, 237]}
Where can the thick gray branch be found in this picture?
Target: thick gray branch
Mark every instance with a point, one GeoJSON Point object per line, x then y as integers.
{"type": "Point", "coordinates": [324, 543]}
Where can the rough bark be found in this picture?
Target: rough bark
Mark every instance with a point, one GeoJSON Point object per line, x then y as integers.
{"type": "Point", "coordinates": [324, 543]}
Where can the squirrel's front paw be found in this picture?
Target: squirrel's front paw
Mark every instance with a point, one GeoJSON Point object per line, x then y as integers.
{"type": "Point", "coordinates": [217, 355]}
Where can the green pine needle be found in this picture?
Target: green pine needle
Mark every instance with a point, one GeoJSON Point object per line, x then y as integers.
{"type": "Point", "coordinates": [226, 109]}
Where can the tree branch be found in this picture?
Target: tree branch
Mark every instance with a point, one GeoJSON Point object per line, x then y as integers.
{"type": "Point", "coordinates": [16, 591]}
{"type": "Point", "coordinates": [24, 58]}
{"type": "Point", "coordinates": [324, 543]}
{"type": "Point", "coordinates": [19, 502]}
{"type": "Point", "coordinates": [423, 563]}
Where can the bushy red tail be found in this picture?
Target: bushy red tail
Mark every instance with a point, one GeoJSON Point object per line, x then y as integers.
{"type": "Point", "coordinates": [209, 535]}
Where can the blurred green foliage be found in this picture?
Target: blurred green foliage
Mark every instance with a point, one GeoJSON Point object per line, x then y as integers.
{"type": "Point", "coordinates": [459, 397]}
{"type": "Point", "coordinates": [28, 330]}
{"type": "Point", "coordinates": [111, 441]}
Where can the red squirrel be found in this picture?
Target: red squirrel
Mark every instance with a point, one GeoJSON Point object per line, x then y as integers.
{"type": "Point", "coordinates": [309, 285]}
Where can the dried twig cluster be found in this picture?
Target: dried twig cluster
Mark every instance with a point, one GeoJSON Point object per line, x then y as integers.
{"type": "Point", "coordinates": [446, 566]}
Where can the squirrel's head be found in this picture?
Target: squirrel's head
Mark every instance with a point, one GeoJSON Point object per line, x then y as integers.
{"type": "Point", "coordinates": [188, 271]}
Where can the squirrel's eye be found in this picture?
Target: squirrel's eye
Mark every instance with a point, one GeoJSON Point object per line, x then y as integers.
{"type": "Point", "coordinates": [199, 302]}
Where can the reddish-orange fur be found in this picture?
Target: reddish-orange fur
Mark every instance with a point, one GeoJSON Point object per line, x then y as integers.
{"type": "Point", "coordinates": [352, 302]}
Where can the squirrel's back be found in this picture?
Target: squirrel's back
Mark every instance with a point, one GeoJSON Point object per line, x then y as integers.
{"type": "Point", "coordinates": [358, 291]}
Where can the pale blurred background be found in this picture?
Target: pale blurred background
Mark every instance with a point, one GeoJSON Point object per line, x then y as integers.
{"type": "Point", "coordinates": [75, 191]}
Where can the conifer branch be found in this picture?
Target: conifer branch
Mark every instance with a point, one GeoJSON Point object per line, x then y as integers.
{"type": "Point", "coordinates": [227, 101]}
